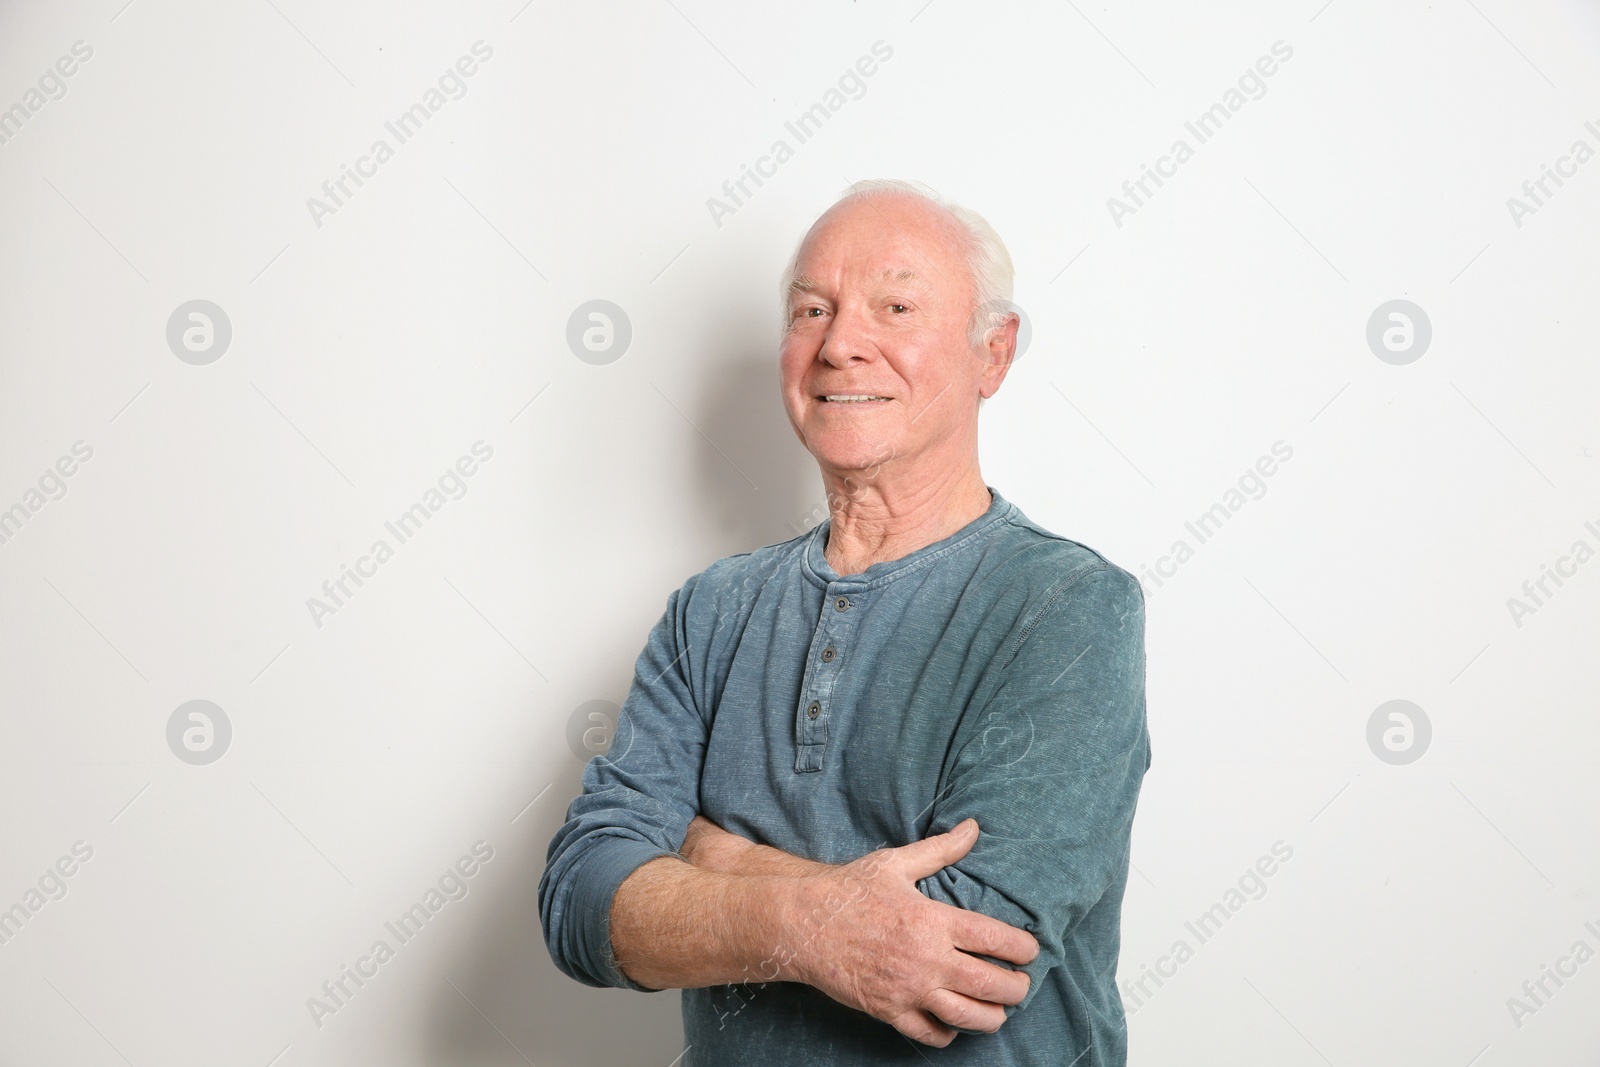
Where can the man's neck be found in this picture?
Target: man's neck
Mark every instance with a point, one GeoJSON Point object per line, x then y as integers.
{"type": "Point", "coordinates": [883, 523]}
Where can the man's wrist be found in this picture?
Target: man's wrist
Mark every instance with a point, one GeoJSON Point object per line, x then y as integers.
{"type": "Point", "coordinates": [776, 950]}
{"type": "Point", "coordinates": [765, 909]}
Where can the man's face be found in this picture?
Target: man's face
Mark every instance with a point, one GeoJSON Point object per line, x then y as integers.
{"type": "Point", "coordinates": [880, 307]}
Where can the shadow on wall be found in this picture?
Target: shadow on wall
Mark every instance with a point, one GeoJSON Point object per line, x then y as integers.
{"type": "Point", "coordinates": [752, 483]}
{"type": "Point", "coordinates": [509, 977]}
{"type": "Point", "coordinates": [756, 482]}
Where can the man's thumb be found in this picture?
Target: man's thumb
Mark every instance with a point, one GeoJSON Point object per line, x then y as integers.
{"type": "Point", "coordinates": [934, 853]}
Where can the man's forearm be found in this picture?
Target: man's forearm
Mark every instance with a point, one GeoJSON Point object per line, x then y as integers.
{"type": "Point", "coordinates": [710, 847]}
{"type": "Point", "coordinates": [763, 859]}
{"type": "Point", "coordinates": [751, 859]}
{"type": "Point", "coordinates": [678, 926]}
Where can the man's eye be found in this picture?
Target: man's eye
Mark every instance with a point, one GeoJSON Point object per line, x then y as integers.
{"type": "Point", "coordinates": [897, 308]}
{"type": "Point", "coordinates": [808, 311]}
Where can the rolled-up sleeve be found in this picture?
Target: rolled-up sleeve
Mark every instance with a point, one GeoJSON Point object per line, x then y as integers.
{"type": "Point", "coordinates": [1051, 767]}
{"type": "Point", "coordinates": [636, 805]}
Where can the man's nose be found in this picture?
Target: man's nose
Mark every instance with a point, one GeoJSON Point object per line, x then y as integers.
{"type": "Point", "coordinates": [848, 339]}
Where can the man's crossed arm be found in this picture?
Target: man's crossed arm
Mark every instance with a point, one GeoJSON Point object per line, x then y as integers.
{"type": "Point", "coordinates": [1050, 763]}
{"type": "Point", "coordinates": [861, 932]}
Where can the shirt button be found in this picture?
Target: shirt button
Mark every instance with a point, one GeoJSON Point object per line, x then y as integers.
{"type": "Point", "coordinates": [828, 654]}
{"type": "Point", "coordinates": [841, 603]}
{"type": "Point", "coordinates": [814, 710]}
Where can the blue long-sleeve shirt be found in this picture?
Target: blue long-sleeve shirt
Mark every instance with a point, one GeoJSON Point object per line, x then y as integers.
{"type": "Point", "coordinates": [998, 673]}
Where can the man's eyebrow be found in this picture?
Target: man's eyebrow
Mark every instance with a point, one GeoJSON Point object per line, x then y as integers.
{"type": "Point", "coordinates": [803, 284]}
{"type": "Point", "coordinates": [904, 274]}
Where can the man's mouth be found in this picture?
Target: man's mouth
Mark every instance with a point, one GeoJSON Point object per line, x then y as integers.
{"type": "Point", "coordinates": [850, 398]}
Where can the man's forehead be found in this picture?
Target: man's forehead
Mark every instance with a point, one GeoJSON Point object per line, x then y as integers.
{"type": "Point", "coordinates": [804, 283]}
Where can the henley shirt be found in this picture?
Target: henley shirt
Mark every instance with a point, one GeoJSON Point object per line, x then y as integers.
{"type": "Point", "coordinates": [998, 673]}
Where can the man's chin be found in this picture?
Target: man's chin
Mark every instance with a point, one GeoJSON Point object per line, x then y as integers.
{"type": "Point", "coordinates": [856, 459]}
{"type": "Point", "coordinates": [854, 445]}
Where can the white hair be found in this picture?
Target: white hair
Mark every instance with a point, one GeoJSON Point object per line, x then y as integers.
{"type": "Point", "coordinates": [988, 262]}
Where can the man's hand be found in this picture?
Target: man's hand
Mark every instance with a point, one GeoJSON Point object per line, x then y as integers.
{"type": "Point", "coordinates": [868, 938]}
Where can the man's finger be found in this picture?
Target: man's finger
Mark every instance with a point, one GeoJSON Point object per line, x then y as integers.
{"type": "Point", "coordinates": [932, 854]}
{"type": "Point", "coordinates": [985, 982]}
{"type": "Point", "coordinates": [918, 1025]}
{"type": "Point", "coordinates": [976, 932]}
{"type": "Point", "coordinates": [956, 1009]}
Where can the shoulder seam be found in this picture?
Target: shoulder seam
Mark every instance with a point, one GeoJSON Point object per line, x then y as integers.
{"type": "Point", "coordinates": [1022, 522]}
{"type": "Point", "coordinates": [1062, 585]}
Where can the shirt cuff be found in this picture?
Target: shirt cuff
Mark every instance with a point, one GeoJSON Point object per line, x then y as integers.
{"type": "Point", "coordinates": [594, 884]}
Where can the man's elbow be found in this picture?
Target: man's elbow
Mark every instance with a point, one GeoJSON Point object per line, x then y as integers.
{"type": "Point", "coordinates": [571, 961]}
{"type": "Point", "coordinates": [575, 906]}
{"type": "Point", "coordinates": [560, 937]}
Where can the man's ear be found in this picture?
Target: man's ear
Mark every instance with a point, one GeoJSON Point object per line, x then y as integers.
{"type": "Point", "coordinates": [998, 351]}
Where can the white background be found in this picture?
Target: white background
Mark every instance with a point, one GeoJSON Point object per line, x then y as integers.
{"type": "Point", "coordinates": [432, 709]}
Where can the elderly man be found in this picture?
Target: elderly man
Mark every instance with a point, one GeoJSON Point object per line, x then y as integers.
{"type": "Point", "coordinates": [870, 795]}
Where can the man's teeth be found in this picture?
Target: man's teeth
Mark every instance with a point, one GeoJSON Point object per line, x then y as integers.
{"type": "Point", "coordinates": [836, 397]}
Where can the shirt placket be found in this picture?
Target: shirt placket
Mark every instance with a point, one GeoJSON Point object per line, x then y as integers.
{"type": "Point", "coordinates": [841, 615]}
